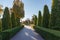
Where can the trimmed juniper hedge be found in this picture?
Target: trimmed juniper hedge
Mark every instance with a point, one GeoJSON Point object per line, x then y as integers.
{"type": "Point", "coordinates": [48, 34]}
{"type": "Point", "coordinates": [7, 34]}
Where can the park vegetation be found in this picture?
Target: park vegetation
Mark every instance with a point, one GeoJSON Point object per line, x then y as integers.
{"type": "Point", "coordinates": [49, 24]}
{"type": "Point", "coordinates": [10, 23]}
{"type": "Point", "coordinates": [39, 18]}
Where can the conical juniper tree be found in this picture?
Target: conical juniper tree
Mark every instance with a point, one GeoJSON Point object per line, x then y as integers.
{"type": "Point", "coordinates": [13, 19]}
{"type": "Point", "coordinates": [6, 20]}
{"type": "Point", "coordinates": [45, 22]}
{"type": "Point", "coordinates": [0, 25]}
{"type": "Point", "coordinates": [34, 18]}
{"type": "Point", "coordinates": [55, 15]}
{"type": "Point", "coordinates": [39, 19]}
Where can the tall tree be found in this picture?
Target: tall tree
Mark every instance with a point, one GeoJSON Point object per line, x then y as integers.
{"type": "Point", "coordinates": [34, 18]}
{"type": "Point", "coordinates": [55, 16]}
{"type": "Point", "coordinates": [39, 19]}
{"type": "Point", "coordinates": [45, 17]}
{"type": "Point", "coordinates": [1, 9]}
{"type": "Point", "coordinates": [13, 19]}
{"type": "Point", "coordinates": [0, 25]}
{"type": "Point", "coordinates": [18, 10]}
{"type": "Point", "coordinates": [6, 20]}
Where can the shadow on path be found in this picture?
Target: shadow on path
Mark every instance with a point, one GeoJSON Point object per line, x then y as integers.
{"type": "Point", "coordinates": [27, 33]}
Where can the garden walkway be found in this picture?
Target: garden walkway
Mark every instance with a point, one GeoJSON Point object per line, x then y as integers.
{"type": "Point", "coordinates": [27, 33]}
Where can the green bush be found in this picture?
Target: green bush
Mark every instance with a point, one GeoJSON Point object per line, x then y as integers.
{"type": "Point", "coordinates": [0, 25]}
{"type": "Point", "coordinates": [0, 36]}
{"type": "Point", "coordinates": [7, 34]}
{"type": "Point", "coordinates": [48, 34]}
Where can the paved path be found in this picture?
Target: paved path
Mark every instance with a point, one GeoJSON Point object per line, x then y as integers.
{"type": "Point", "coordinates": [27, 33]}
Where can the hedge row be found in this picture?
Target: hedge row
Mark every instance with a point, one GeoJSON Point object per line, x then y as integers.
{"type": "Point", "coordinates": [0, 25]}
{"type": "Point", "coordinates": [48, 34]}
{"type": "Point", "coordinates": [7, 34]}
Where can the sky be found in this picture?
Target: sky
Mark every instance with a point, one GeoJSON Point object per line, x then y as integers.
{"type": "Point", "coordinates": [31, 7]}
